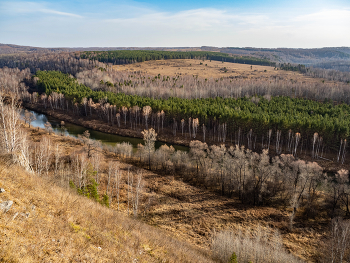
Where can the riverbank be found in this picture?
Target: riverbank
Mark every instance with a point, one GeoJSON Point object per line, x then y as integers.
{"type": "Point", "coordinates": [97, 125]}
{"type": "Point", "coordinates": [329, 165]}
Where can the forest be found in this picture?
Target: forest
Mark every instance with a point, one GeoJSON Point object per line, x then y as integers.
{"type": "Point", "coordinates": [227, 119]}
{"type": "Point", "coordinates": [128, 56]}
{"type": "Point", "coordinates": [260, 143]}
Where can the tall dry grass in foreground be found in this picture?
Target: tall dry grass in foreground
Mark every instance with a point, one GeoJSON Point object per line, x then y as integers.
{"type": "Point", "coordinates": [261, 245]}
{"type": "Point", "coordinates": [48, 223]}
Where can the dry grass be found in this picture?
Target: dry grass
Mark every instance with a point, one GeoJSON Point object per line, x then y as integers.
{"type": "Point", "coordinates": [260, 245]}
{"type": "Point", "coordinates": [211, 69]}
{"type": "Point", "coordinates": [193, 214]}
{"type": "Point", "coordinates": [65, 227]}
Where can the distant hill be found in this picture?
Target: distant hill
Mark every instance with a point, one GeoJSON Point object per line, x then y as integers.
{"type": "Point", "coordinates": [337, 58]}
{"type": "Point", "coordinates": [13, 49]}
{"type": "Point", "coordinates": [295, 55]}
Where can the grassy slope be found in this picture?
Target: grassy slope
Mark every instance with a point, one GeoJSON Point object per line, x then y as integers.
{"type": "Point", "coordinates": [65, 227]}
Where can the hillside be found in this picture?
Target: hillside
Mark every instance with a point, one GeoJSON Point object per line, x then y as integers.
{"type": "Point", "coordinates": [307, 56]}
{"type": "Point", "coordinates": [49, 223]}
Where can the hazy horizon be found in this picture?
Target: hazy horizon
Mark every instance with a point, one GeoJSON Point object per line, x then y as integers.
{"type": "Point", "coordinates": [152, 23]}
{"type": "Point", "coordinates": [169, 47]}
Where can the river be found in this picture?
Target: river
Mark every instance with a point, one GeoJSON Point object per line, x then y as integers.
{"type": "Point", "coordinates": [106, 138]}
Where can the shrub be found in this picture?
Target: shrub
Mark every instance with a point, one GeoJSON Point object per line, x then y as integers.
{"type": "Point", "coordinates": [258, 246]}
{"type": "Point", "coordinates": [105, 200]}
{"type": "Point", "coordinates": [233, 258]}
{"type": "Point", "coordinates": [90, 190]}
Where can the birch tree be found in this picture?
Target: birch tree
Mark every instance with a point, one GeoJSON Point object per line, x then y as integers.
{"type": "Point", "coordinates": [117, 180]}
{"type": "Point", "coordinates": [137, 193]}
{"type": "Point", "coordinates": [29, 117]}
{"type": "Point", "coordinates": [149, 137]}
{"type": "Point", "coordinates": [146, 111]}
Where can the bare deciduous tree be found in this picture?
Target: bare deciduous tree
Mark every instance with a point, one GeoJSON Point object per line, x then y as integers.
{"type": "Point", "coordinates": [29, 117]}
{"type": "Point", "coordinates": [146, 111]}
{"type": "Point", "coordinates": [149, 137]}
{"type": "Point", "coordinates": [48, 127]}
{"type": "Point", "coordinates": [118, 179]}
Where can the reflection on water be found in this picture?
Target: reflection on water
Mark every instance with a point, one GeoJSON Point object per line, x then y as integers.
{"type": "Point", "coordinates": [75, 130]}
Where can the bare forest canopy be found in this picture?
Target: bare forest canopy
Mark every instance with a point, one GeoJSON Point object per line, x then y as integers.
{"type": "Point", "coordinates": [295, 55]}
{"type": "Point", "coordinates": [64, 62]}
{"type": "Point", "coordinates": [335, 58]}
{"type": "Point", "coordinates": [12, 49]}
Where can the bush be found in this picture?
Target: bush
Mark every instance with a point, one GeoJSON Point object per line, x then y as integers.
{"type": "Point", "coordinates": [105, 200]}
{"type": "Point", "coordinates": [233, 258]}
{"type": "Point", "coordinates": [258, 246]}
{"type": "Point", "coordinates": [90, 190]}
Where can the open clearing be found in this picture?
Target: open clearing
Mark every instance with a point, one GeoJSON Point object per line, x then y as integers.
{"type": "Point", "coordinates": [211, 69]}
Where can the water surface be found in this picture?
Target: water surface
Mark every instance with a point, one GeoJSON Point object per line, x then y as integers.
{"type": "Point", "coordinates": [106, 138]}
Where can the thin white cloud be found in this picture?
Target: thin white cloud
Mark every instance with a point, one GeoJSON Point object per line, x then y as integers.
{"type": "Point", "coordinates": [325, 15]}
{"type": "Point", "coordinates": [55, 12]}
{"type": "Point", "coordinates": [197, 19]}
{"type": "Point", "coordinates": [31, 7]}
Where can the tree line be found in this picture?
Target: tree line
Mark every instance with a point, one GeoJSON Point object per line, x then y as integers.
{"type": "Point", "coordinates": [65, 62]}
{"type": "Point", "coordinates": [332, 73]}
{"type": "Point", "coordinates": [133, 56]}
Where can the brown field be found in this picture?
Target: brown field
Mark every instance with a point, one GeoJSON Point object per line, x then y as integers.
{"type": "Point", "coordinates": [211, 69]}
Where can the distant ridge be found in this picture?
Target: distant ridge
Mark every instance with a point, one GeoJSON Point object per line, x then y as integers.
{"type": "Point", "coordinates": [13, 49]}
{"type": "Point", "coordinates": [328, 57]}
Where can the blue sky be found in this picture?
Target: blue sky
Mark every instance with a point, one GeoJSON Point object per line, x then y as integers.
{"type": "Point", "coordinates": [155, 23]}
